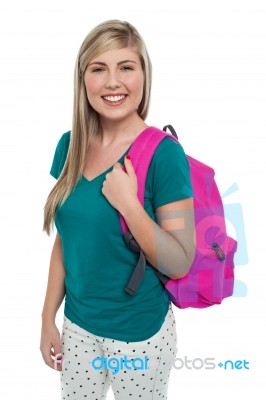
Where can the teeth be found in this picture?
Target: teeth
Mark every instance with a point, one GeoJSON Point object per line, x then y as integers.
{"type": "Point", "coordinates": [114, 98]}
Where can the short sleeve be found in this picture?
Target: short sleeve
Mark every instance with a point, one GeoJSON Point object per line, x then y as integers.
{"type": "Point", "coordinates": [60, 155]}
{"type": "Point", "coordinates": [169, 174]}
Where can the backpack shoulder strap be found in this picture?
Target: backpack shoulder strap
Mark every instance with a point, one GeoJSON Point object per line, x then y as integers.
{"type": "Point", "coordinates": [141, 153]}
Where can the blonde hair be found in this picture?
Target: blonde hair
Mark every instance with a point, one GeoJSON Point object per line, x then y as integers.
{"type": "Point", "coordinates": [109, 35]}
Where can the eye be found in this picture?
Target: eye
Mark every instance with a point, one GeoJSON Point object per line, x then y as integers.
{"type": "Point", "coordinates": [127, 68]}
{"type": "Point", "coordinates": [98, 69]}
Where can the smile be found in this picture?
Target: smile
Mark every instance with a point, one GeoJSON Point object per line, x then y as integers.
{"type": "Point", "coordinates": [114, 99]}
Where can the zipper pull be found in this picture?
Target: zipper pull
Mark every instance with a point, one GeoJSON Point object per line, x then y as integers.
{"type": "Point", "coordinates": [219, 252]}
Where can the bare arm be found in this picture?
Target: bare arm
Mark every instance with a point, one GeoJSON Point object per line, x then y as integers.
{"type": "Point", "coordinates": [55, 293]}
{"type": "Point", "coordinates": [169, 245]}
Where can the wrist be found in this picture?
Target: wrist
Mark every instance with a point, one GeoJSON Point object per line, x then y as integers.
{"type": "Point", "coordinates": [131, 207]}
{"type": "Point", "coordinates": [48, 318]}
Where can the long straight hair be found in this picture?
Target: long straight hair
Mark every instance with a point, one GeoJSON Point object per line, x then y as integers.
{"type": "Point", "coordinates": [109, 35]}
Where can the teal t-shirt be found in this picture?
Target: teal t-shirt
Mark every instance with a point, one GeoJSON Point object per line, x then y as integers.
{"type": "Point", "coordinates": [98, 263]}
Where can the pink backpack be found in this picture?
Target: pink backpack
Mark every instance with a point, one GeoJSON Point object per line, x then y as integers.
{"type": "Point", "coordinates": [211, 275]}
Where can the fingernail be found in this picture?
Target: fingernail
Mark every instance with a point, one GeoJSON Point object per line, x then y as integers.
{"type": "Point", "coordinates": [57, 360]}
{"type": "Point", "coordinates": [128, 156]}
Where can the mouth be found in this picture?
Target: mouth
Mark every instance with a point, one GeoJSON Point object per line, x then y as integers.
{"type": "Point", "coordinates": [114, 100]}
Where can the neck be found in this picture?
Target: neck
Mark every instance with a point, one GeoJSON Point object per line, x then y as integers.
{"type": "Point", "coordinates": [113, 132]}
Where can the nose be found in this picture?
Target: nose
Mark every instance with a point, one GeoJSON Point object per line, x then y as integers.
{"type": "Point", "coordinates": [112, 80]}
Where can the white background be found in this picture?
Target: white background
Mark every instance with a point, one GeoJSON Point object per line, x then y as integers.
{"type": "Point", "coordinates": [209, 66]}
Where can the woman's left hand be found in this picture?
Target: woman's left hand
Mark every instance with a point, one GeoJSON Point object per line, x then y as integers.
{"type": "Point", "coordinates": [121, 187]}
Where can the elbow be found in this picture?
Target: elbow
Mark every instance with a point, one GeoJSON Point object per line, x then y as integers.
{"type": "Point", "coordinates": [188, 261]}
{"type": "Point", "coordinates": [181, 274]}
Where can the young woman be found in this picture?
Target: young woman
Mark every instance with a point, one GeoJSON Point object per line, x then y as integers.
{"type": "Point", "coordinates": [109, 337]}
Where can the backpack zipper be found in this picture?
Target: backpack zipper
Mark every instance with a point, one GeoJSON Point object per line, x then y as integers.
{"type": "Point", "coordinates": [219, 252]}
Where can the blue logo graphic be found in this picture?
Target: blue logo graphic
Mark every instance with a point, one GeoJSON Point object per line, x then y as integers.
{"type": "Point", "coordinates": [234, 219]}
{"type": "Point", "coordinates": [117, 364]}
{"type": "Point", "coordinates": [239, 364]}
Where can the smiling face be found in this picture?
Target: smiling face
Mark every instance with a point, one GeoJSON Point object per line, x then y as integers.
{"type": "Point", "coordinates": [114, 84]}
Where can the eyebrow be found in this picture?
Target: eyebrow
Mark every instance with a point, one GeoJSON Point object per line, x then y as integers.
{"type": "Point", "coordinates": [119, 63]}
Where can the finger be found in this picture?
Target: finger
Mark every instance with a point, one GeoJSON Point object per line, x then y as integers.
{"type": "Point", "coordinates": [46, 355]}
{"type": "Point", "coordinates": [53, 356]}
{"type": "Point", "coordinates": [129, 165]}
{"type": "Point", "coordinates": [57, 356]}
{"type": "Point", "coordinates": [117, 165]}
{"type": "Point", "coordinates": [58, 361]}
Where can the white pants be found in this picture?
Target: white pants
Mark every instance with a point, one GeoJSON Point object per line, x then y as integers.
{"type": "Point", "coordinates": [135, 370]}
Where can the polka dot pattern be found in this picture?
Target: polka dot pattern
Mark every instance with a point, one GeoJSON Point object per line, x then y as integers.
{"type": "Point", "coordinates": [79, 380]}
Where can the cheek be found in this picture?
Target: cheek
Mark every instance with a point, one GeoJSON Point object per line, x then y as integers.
{"type": "Point", "coordinates": [92, 86]}
{"type": "Point", "coordinates": [136, 85]}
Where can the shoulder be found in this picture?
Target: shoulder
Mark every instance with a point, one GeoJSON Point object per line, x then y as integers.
{"type": "Point", "coordinates": [60, 154]}
{"type": "Point", "coordinates": [63, 145]}
{"type": "Point", "coordinates": [63, 142]}
{"type": "Point", "coordinates": [169, 152]}
{"type": "Point", "coordinates": [168, 177]}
